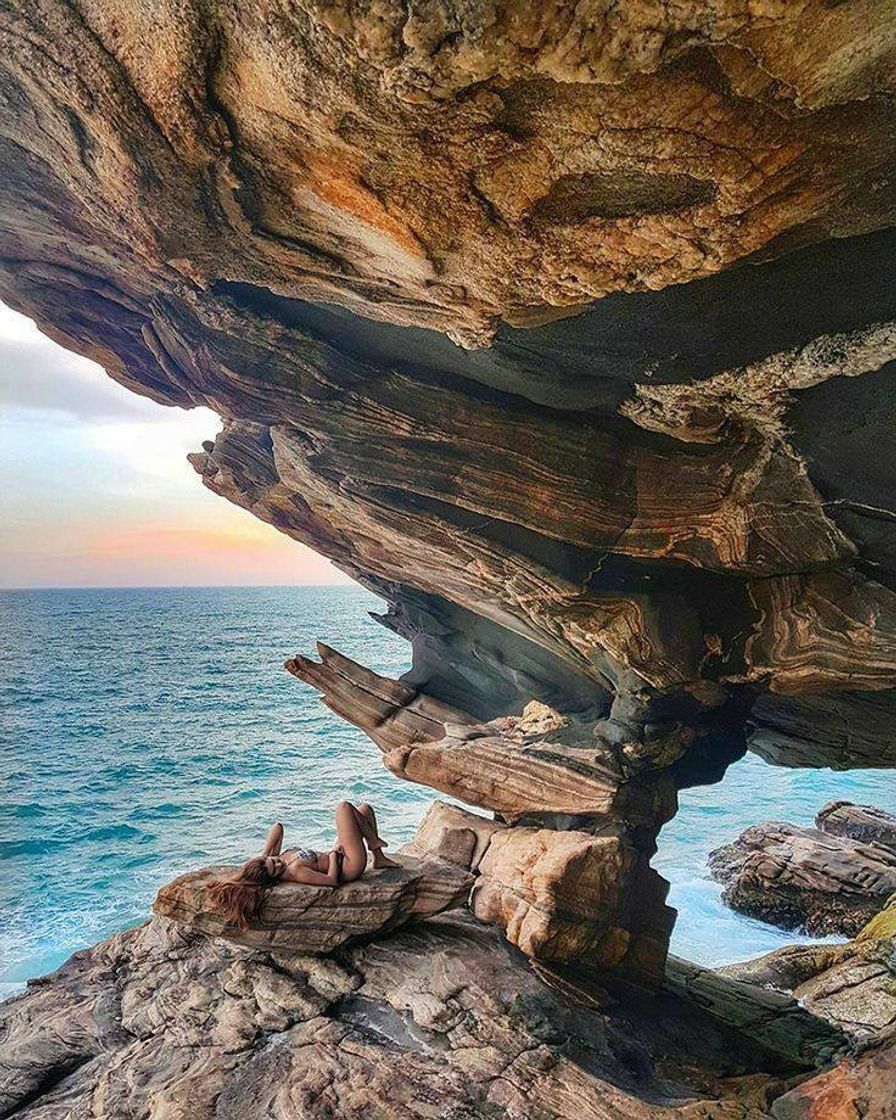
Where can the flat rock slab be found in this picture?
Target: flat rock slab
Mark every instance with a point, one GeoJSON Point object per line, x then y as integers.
{"type": "Point", "coordinates": [319, 920]}
{"type": "Point", "coordinates": [771, 1016]}
{"type": "Point", "coordinates": [858, 822]}
{"type": "Point", "coordinates": [802, 878]}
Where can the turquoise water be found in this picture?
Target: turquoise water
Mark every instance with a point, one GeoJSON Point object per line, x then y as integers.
{"type": "Point", "coordinates": [149, 731]}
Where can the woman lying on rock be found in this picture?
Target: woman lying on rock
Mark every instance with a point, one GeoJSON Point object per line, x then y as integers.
{"type": "Point", "coordinates": [240, 898]}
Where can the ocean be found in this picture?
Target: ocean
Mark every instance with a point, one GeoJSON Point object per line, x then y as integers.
{"type": "Point", "coordinates": [149, 731]}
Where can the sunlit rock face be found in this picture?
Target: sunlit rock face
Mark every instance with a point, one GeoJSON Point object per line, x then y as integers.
{"type": "Point", "coordinates": [570, 333]}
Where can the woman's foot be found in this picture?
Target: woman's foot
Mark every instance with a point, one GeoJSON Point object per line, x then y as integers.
{"type": "Point", "coordinates": [380, 859]}
{"type": "Point", "coordinates": [375, 844]}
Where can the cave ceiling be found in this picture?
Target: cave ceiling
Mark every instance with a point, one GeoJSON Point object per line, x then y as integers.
{"type": "Point", "coordinates": [573, 338]}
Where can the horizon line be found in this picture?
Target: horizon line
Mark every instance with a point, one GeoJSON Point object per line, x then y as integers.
{"type": "Point", "coordinates": [180, 586]}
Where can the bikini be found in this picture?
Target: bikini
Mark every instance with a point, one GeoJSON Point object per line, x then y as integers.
{"type": "Point", "coordinates": [303, 855]}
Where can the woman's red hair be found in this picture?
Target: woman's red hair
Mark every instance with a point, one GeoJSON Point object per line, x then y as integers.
{"type": "Point", "coordinates": [240, 898]}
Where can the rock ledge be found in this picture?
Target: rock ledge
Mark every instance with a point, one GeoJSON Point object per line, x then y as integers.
{"type": "Point", "coordinates": [319, 920]}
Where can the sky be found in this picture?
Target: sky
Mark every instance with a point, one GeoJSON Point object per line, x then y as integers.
{"type": "Point", "coordinates": [96, 491]}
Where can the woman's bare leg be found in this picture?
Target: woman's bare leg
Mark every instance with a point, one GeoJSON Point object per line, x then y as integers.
{"type": "Point", "coordinates": [371, 834]}
{"type": "Point", "coordinates": [351, 840]}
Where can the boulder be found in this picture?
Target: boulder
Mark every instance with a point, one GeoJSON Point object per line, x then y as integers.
{"type": "Point", "coordinates": [564, 896]}
{"type": "Point", "coordinates": [319, 920]}
{"type": "Point", "coordinates": [858, 822]}
{"type": "Point", "coordinates": [559, 896]}
{"type": "Point", "coordinates": [455, 835]}
{"type": "Point", "coordinates": [803, 878]}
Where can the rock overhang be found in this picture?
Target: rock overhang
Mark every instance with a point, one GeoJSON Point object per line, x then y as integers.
{"type": "Point", "coordinates": [576, 345]}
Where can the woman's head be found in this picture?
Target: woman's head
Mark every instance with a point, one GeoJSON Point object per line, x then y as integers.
{"type": "Point", "coordinates": [239, 899]}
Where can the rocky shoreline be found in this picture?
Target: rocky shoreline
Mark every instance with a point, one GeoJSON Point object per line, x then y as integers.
{"type": "Point", "coordinates": [570, 332]}
{"type": "Point", "coordinates": [443, 1019]}
{"type": "Point", "coordinates": [323, 1008]}
{"type": "Point", "coordinates": [832, 879]}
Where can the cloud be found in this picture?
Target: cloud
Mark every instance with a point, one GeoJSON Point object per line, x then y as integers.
{"type": "Point", "coordinates": [98, 492]}
{"type": "Point", "coordinates": [36, 375]}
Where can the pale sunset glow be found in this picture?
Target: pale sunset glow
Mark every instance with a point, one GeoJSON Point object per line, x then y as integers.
{"type": "Point", "coordinates": [97, 491]}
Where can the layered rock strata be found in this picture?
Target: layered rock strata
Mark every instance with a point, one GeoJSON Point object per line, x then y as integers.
{"type": "Point", "coordinates": [865, 823]}
{"type": "Point", "coordinates": [766, 1012]}
{"type": "Point", "coordinates": [442, 1020]}
{"type": "Point", "coordinates": [802, 878]}
{"type": "Point", "coordinates": [578, 897]}
{"type": "Point", "coordinates": [646, 510]}
{"type": "Point", "coordinates": [572, 880]}
{"type": "Point", "coordinates": [567, 331]}
{"type": "Point", "coordinates": [559, 895]}
{"type": "Point", "coordinates": [516, 766]}
{"type": "Point", "coordinates": [319, 920]}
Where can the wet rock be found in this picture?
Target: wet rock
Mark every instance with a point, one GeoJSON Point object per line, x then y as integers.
{"type": "Point", "coordinates": [802, 878]}
{"type": "Point", "coordinates": [852, 985]}
{"type": "Point", "coordinates": [858, 822]}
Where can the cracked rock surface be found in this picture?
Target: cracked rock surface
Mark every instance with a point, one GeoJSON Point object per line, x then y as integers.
{"type": "Point", "coordinates": [568, 330]}
{"type": "Point", "coordinates": [440, 1021]}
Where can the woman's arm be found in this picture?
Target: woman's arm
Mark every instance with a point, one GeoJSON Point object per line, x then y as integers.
{"type": "Point", "coordinates": [274, 842]}
{"type": "Point", "coordinates": [301, 873]}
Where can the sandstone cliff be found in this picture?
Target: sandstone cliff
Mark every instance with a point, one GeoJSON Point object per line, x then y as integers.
{"type": "Point", "coordinates": [567, 329]}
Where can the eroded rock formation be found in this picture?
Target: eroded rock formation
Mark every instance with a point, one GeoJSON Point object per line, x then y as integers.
{"type": "Point", "coordinates": [560, 895]}
{"type": "Point", "coordinates": [567, 330]}
{"type": "Point", "coordinates": [319, 920]}
{"type": "Point", "coordinates": [648, 507]}
{"type": "Point", "coordinates": [581, 888]}
{"type": "Point", "coordinates": [802, 878]}
{"type": "Point", "coordinates": [866, 823]}
{"type": "Point", "coordinates": [443, 1020]}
